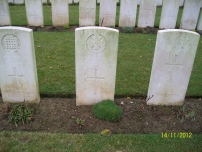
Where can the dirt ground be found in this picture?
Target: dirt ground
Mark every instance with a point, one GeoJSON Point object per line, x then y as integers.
{"type": "Point", "coordinates": [60, 114]}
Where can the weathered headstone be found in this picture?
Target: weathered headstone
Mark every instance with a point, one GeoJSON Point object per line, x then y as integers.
{"type": "Point", "coordinates": [147, 13]}
{"type": "Point", "coordinates": [108, 12]}
{"type": "Point", "coordinates": [60, 12]}
{"type": "Point", "coordinates": [18, 74]}
{"type": "Point", "coordinates": [87, 12]}
{"type": "Point", "coordinates": [69, 1]}
{"type": "Point", "coordinates": [96, 60]}
{"type": "Point", "coordinates": [128, 13]}
{"type": "Point", "coordinates": [169, 14]}
{"type": "Point", "coordinates": [190, 14]}
{"type": "Point", "coordinates": [34, 12]}
{"type": "Point", "coordinates": [172, 65]}
{"type": "Point", "coordinates": [4, 13]}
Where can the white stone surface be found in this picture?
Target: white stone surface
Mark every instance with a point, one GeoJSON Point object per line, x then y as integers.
{"type": "Point", "coordinates": [199, 26]}
{"type": "Point", "coordinates": [4, 13]}
{"type": "Point", "coordinates": [181, 2]}
{"type": "Point", "coordinates": [169, 14]}
{"type": "Point", "coordinates": [108, 12]}
{"type": "Point", "coordinates": [159, 2]}
{"type": "Point", "coordinates": [172, 65]}
{"type": "Point", "coordinates": [69, 1]}
{"type": "Point", "coordinates": [60, 12]}
{"type": "Point", "coordinates": [34, 12]}
{"type": "Point", "coordinates": [18, 74]}
{"type": "Point", "coordinates": [147, 13]}
{"type": "Point", "coordinates": [18, 1]}
{"type": "Point", "coordinates": [87, 12]}
{"type": "Point", "coordinates": [190, 14]}
{"type": "Point", "coordinates": [44, 1]}
{"type": "Point", "coordinates": [128, 13]}
{"type": "Point", "coordinates": [96, 60]}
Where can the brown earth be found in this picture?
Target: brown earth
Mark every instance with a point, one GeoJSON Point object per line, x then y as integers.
{"type": "Point", "coordinates": [60, 114]}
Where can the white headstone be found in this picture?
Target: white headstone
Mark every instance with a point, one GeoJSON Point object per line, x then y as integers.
{"type": "Point", "coordinates": [34, 12]}
{"type": "Point", "coordinates": [147, 13]}
{"type": "Point", "coordinates": [108, 12]}
{"type": "Point", "coordinates": [169, 14]}
{"type": "Point", "coordinates": [172, 65]}
{"type": "Point", "coordinates": [18, 1]}
{"type": "Point", "coordinates": [4, 13]}
{"type": "Point", "coordinates": [96, 60]}
{"type": "Point", "coordinates": [18, 74]}
{"type": "Point", "coordinates": [128, 13]}
{"type": "Point", "coordinates": [190, 14]}
{"type": "Point", "coordinates": [199, 26]}
{"type": "Point", "coordinates": [138, 2]}
{"type": "Point", "coordinates": [60, 12]}
{"type": "Point", "coordinates": [87, 12]}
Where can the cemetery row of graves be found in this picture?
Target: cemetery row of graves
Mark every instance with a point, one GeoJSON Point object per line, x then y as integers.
{"type": "Point", "coordinates": [96, 51]}
{"type": "Point", "coordinates": [191, 15]}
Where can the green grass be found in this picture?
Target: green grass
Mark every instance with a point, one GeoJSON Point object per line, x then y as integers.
{"type": "Point", "coordinates": [27, 141]}
{"type": "Point", "coordinates": [18, 15]}
{"type": "Point", "coordinates": [56, 64]}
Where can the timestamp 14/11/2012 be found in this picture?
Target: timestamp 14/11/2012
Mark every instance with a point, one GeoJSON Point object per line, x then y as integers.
{"type": "Point", "coordinates": [177, 135]}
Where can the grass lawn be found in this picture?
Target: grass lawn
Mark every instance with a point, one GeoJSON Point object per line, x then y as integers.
{"type": "Point", "coordinates": [56, 73]}
{"type": "Point", "coordinates": [27, 141]}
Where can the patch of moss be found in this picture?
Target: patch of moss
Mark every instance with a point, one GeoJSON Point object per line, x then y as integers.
{"type": "Point", "coordinates": [107, 110]}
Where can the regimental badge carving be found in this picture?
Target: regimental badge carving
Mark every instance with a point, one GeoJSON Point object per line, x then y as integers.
{"type": "Point", "coordinates": [10, 43]}
{"type": "Point", "coordinates": [96, 43]}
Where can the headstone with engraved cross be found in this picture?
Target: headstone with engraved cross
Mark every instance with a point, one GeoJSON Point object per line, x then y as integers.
{"type": "Point", "coordinates": [147, 13]}
{"type": "Point", "coordinates": [18, 74]}
{"type": "Point", "coordinates": [60, 12]}
{"type": "Point", "coordinates": [128, 13]}
{"type": "Point", "coordinates": [190, 14]}
{"type": "Point", "coordinates": [4, 13]}
{"type": "Point", "coordinates": [108, 12]}
{"type": "Point", "coordinates": [169, 14]}
{"type": "Point", "coordinates": [34, 12]}
{"type": "Point", "coordinates": [87, 12]}
{"type": "Point", "coordinates": [96, 60]}
{"type": "Point", "coordinates": [172, 65]}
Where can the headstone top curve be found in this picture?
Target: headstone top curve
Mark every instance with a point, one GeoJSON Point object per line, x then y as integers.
{"type": "Point", "coordinates": [15, 28]}
{"type": "Point", "coordinates": [96, 28]}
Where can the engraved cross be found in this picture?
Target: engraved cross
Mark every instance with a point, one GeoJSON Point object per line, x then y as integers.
{"type": "Point", "coordinates": [16, 76]}
{"type": "Point", "coordinates": [95, 78]}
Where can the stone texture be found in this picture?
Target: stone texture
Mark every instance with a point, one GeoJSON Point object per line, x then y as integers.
{"type": "Point", "coordinates": [18, 74]}
{"type": "Point", "coordinates": [60, 12]}
{"type": "Point", "coordinates": [199, 26]}
{"type": "Point", "coordinates": [169, 14]}
{"type": "Point", "coordinates": [34, 12]}
{"type": "Point", "coordinates": [87, 12]}
{"type": "Point", "coordinates": [190, 14]}
{"type": "Point", "coordinates": [44, 1]}
{"type": "Point", "coordinates": [108, 12]}
{"type": "Point", "coordinates": [172, 65]}
{"type": "Point", "coordinates": [128, 13]}
{"type": "Point", "coordinates": [4, 13]}
{"type": "Point", "coordinates": [18, 1]}
{"type": "Point", "coordinates": [147, 13]}
{"type": "Point", "coordinates": [96, 60]}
